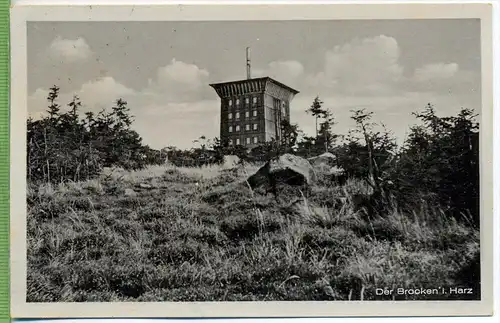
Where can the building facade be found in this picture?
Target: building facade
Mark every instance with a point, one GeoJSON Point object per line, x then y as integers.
{"type": "Point", "coordinates": [252, 110]}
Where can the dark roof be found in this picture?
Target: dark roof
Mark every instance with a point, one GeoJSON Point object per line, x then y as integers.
{"type": "Point", "coordinates": [266, 78]}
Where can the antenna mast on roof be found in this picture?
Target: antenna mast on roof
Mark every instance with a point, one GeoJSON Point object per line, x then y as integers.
{"type": "Point", "coordinates": [249, 76]}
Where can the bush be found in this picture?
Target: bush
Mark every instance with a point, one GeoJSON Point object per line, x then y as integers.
{"type": "Point", "coordinates": [64, 146]}
{"type": "Point", "coordinates": [438, 162]}
{"type": "Point", "coordinates": [441, 159]}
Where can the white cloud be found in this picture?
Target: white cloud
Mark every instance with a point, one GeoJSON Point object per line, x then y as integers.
{"type": "Point", "coordinates": [103, 92]}
{"type": "Point", "coordinates": [177, 110]}
{"type": "Point", "coordinates": [361, 66]}
{"type": "Point", "coordinates": [287, 72]}
{"type": "Point", "coordinates": [178, 89]}
{"type": "Point", "coordinates": [177, 105]}
{"type": "Point", "coordinates": [37, 103]}
{"type": "Point", "coordinates": [178, 124]}
{"type": "Point", "coordinates": [179, 81]}
{"type": "Point", "coordinates": [436, 71]}
{"type": "Point", "coordinates": [94, 95]}
{"type": "Point", "coordinates": [178, 72]}
{"type": "Point", "coordinates": [395, 111]}
{"type": "Point", "coordinates": [70, 50]}
{"type": "Point", "coordinates": [449, 78]}
{"type": "Point", "coordinates": [367, 73]}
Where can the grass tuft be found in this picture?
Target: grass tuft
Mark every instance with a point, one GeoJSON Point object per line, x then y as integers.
{"type": "Point", "coordinates": [169, 233]}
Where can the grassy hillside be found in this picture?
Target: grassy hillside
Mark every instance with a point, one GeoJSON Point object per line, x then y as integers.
{"type": "Point", "coordinates": [200, 234]}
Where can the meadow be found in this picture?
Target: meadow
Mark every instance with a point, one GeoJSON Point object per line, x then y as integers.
{"type": "Point", "coordinates": [169, 233]}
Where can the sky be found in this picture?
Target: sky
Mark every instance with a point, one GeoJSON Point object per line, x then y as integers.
{"type": "Point", "coordinates": [163, 69]}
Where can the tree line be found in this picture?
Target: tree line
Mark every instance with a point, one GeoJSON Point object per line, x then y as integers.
{"type": "Point", "coordinates": [64, 145]}
{"type": "Point", "coordinates": [438, 161]}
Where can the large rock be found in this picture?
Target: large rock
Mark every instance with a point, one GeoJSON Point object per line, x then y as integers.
{"type": "Point", "coordinates": [328, 159]}
{"type": "Point", "coordinates": [323, 163]}
{"type": "Point", "coordinates": [288, 169]}
{"type": "Point", "coordinates": [326, 164]}
{"type": "Point", "coordinates": [230, 161]}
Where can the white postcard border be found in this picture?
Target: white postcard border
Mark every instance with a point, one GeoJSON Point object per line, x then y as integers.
{"type": "Point", "coordinates": [21, 14]}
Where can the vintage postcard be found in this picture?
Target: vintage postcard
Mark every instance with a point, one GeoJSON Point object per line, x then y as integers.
{"type": "Point", "coordinates": [251, 160]}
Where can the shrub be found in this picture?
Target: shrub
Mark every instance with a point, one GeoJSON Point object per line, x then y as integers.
{"type": "Point", "coordinates": [441, 159]}
{"type": "Point", "coordinates": [64, 146]}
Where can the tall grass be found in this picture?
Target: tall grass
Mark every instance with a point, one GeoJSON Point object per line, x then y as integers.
{"type": "Point", "coordinates": [201, 234]}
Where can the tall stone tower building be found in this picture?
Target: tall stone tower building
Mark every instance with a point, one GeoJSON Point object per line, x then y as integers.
{"type": "Point", "coordinates": [252, 110]}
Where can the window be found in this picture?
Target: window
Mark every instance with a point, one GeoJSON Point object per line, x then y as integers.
{"type": "Point", "coordinates": [255, 140]}
{"type": "Point", "coordinates": [238, 128]}
{"type": "Point", "coordinates": [247, 114]}
{"type": "Point", "coordinates": [247, 127]}
{"type": "Point", "coordinates": [254, 100]}
{"type": "Point", "coordinates": [230, 128]}
{"type": "Point", "coordinates": [230, 116]}
{"type": "Point", "coordinates": [254, 113]}
{"type": "Point", "coordinates": [230, 102]}
{"type": "Point", "coordinates": [248, 140]}
{"type": "Point", "coordinates": [247, 100]}
{"type": "Point", "coordinates": [237, 101]}
{"type": "Point", "coordinates": [237, 115]}
{"type": "Point", "coordinates": [237, 141]}
{"type": "Point", "coordinates": [230, 142]}
{"type": "Point", "coordinates": [254, 126]}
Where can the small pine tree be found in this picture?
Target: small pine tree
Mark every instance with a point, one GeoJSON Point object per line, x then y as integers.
{"type": "Point", "coordinates": [316, 110]}
{"type": "Point", "coordinates": [441, 158]}
{"type": "Point", "coordinates": [326, 137]}
{"type": "Point", "coordinates": [64, 146]}
{"type": "Point", "coordinates": [54, 107]}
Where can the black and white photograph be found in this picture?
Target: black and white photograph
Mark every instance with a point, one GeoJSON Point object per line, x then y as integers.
{"type": "Point", "coordinates": [254, 160]}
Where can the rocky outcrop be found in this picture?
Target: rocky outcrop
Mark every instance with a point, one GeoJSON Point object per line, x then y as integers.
{"type": "Point", "coordinates": [326, 165]}
{"type": "Point", "coordinates": [286, 169]}
{"type": "Point", "coordinates": [325, 158]}
{"type": "Point", "coordinates": [324, 162]}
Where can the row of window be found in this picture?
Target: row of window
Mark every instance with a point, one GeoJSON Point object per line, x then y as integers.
{"type": "Point", "coordinates": [247, 114]}
{"type": "Point", "coordinates": [247, 127]}
{"type": "Point", "coordinates": [247, 101]}
{"type": "Point", "coordinates": [237, 115]}
{"type": "Point", "coordinates": [248, 140]}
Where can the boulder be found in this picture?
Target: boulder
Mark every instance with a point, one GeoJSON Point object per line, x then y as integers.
{"type": "Point", "coordinates": [288, 169]}
{"type": "Point", "coordinates": [230, 161]}
{"type": "Point", "coordinates": [323, 162]}
{"type": "Point", "coordinates": [322, 168]}
{"type": "Point", "coordinates": [325, 158]}
{"type": "Point", "coordinates": [326, 164]}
